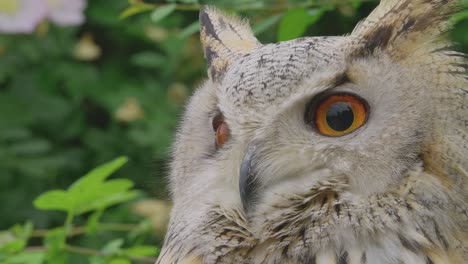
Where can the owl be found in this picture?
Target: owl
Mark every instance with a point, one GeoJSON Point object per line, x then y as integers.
{"type": "Point", "coordinates": [349, 149]}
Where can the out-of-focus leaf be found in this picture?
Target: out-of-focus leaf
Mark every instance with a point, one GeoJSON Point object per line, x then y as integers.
{"type": "Point", "coordinates": [356, 3]}
{"type": "Point", "coordinates": [54, 200]}
{"type": "Point", "coordinates": [9, 105]}
{"type": "Point", "coordinates": [40, 166]}
{"type": "Point", "coordinates": [162, 12]}
{"type": "Point", "coordinates": [23, 231]}
{"type": "Point", "coordinates": [93, 221]}
{"type": "Point", "coordinates": [265, 24]}
{"type": "Point", "coordinates": [6, 237]}
{"type": "Point", "coordinates": [13, 133]}
{"type": "Point", "coordinates": [295, 22]}
{"type": "Point", "coordinates": [13, 247]}
{"type": "Point", "coordinates": [148, 59]}
{"type": "Point", "coordinates": [98, 174]}
{"type": "Point", "coordinates": [135, 9]}
{"type": "Point", "coordinates": [143, 227]}
{"type": "Point", "coordinates": [97, 260]}
{"type": "Point", "coordinates": [120, 261]}
{"type": "Point", "coordinates": [189, 1]}
{"type": "Point", "coordinates": [90, 192]}
{"type": "Point", "coordinates": [108, 200]}
{"type": "Point", "coordinates": [113, 246]}
{"type": "Point", "coordinates": [27, 257]}
{"type": "Point", "coordinates": [190, 30]}
{"type": "Point", "coordinates": [460, 16]}
{"type": "Point", "coordinates": [142, 251]}
{"type": "Point", "coordinates": [28, 147]}
{"type": "Point", "coordinates": [15, 239]}
{"type": "Point", "coordinates": [55, 243]}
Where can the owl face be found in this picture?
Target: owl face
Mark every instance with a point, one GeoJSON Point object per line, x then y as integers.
{"type": "Point", "coordinates": [273, 102]}
{"type": "Point", "coordinates": [303, 111]}
{"type": "Point", "coordinates": [288, 142]}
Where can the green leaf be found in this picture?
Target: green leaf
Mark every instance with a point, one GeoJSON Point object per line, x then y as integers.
{"type": "Point", "coordinates": [55, 243]}
{"type": "Point", "coordinates": [265, 24]}
{"type": "Point", "coordinates": [190, 30]}
{"type": "Point", "coordinates": [144, 227]}
{"type": "Point", "coordinates": [23, 231]}
{"type": "Point", "coordinates": [27, 257]}
{"type": "Point", "coordinates": [98, 174]}
{"type": "Point", "coordinates": [162, 12]}
{"type": "Point", "coordinates": [93, 222]}
{"type": "Point", "coordinates": [295, 22]}
{"type": "Point", "coordinates": [116, 198]}
{"type": "Point", "coordinates": [11, 133]}
{"type": "Point", "coordinates": [107, 201]}
{"type": "Point", "coordinates": [142, 251]}
{"type": "Point", "coordinates": [460, 16]}
{"type": "Point", "coordinates": [113, 246]}
{"type": "Point", "coordinates": [148, 59]}
{"type": "Point", "coordinates": [189, 1]}
{"type": "Point", "coordinates": [16, 238]}
{"type": "Point", "coordinates": [356, 3]}
{"type": "Point", "coordinates": [97, 260]}
{"type": "Point", "coordinates": [89, 192]}
{"type": "Point", "coordinates": [55, 239]}
{"type": "Point", "coordinates": [6, 237]}
{"type": "Point", "coordinates": [31, 146]}
{"type": "Point", "coordinates": [13, 247]}
{"type": "Point", "coordinates": [54, 200]}
{"type": "Point", "coordinates": [120, 261]}
{"type": "Point", "coordinates": [135, 9]}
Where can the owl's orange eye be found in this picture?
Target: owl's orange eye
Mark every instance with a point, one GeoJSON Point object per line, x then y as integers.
{"type": "Point", "coordinates": [340, 114]}
{"type": "Point", "coordinates": [221, 130]}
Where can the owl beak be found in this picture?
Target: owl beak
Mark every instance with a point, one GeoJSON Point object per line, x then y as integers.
{"type": "Point", "coordinates": [248, 183]}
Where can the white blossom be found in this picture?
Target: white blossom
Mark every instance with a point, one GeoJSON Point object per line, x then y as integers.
{"type": "Point", "coordinates": [21, 16]}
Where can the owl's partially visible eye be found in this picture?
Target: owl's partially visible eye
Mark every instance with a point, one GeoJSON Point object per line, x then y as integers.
{"type": "Point", "coordinates": [221, 129]}
{"type": "Point", "coordinates": [336, 115]}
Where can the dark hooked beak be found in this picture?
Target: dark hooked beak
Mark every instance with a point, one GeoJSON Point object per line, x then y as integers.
{"type": "Point", "coordinates": [248, 184]}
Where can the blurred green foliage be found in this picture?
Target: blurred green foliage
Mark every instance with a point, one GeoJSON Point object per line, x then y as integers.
{"type": "Point", "coordinates": [74, 98]}
{"type": "Point", "coordinates": [91, 193]}
{"type": "Point", "coordinates": [58, 113]}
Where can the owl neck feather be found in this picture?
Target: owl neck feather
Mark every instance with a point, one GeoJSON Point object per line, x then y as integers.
{"type": "Point", "coordinates": [416, 216]}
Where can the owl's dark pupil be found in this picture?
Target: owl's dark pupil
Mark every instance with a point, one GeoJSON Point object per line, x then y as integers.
{"type": "Point", "coordinates": [340, 116]}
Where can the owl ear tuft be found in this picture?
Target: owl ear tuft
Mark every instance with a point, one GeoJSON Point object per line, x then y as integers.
{"type": "Point", "coordinates": [400, 27]}
{"type": "Point", "coordinates": [224, 38]}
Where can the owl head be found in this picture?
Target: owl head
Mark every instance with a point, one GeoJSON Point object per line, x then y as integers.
{"type": "Point", "coordinates": [324, 147]}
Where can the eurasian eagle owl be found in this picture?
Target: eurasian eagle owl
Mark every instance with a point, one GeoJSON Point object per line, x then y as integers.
{"type": "Point", "coordinates": [347, 149]}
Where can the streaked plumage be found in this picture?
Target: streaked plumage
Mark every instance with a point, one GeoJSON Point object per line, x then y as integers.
{"type": "Point", "coordinates": [393, 191]}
